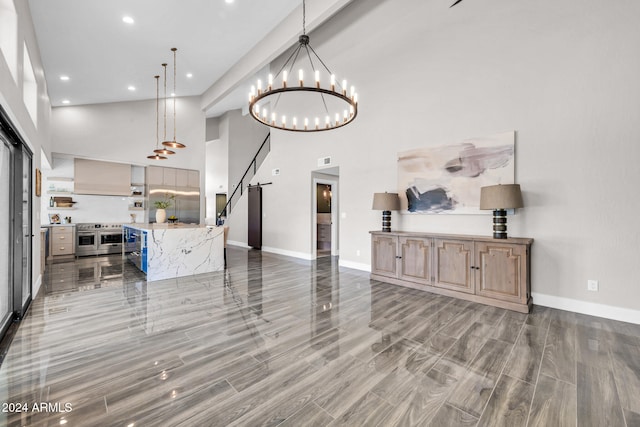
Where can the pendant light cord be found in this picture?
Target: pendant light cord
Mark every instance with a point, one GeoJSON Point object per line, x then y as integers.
{"type": "Point", "coordinates": [164, 135]}
{"type": "Point", "coordinates": [157, 112]}
{"type": "Point", "coordinates": [174, 93]}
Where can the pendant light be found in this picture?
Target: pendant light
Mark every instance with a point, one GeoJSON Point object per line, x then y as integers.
{"type": "Point", "coordinates": [163, 150]}
{"type": "Point", "coordinates": [325, 108]}
{"type": "Point", "coordinates": [174, 143]}
{"type": "Point", "coordinates": [157, 156]}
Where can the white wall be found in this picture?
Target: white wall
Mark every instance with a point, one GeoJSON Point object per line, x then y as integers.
{"type": "Point", "coordinates": [564, 75]}
{"type": "Point", "coordinates": [11, 98]}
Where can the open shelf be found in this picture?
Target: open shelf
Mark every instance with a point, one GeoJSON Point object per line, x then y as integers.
{"type": "Point", "coordinates": [61, 209]}
{"type": "Point", "coordinates": [60, 178]}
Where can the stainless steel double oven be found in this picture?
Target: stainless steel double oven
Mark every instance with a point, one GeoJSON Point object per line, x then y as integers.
{"type": "Point", "coordinates": [98, 239]}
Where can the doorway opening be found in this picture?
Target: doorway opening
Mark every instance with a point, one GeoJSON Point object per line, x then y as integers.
{"type": "Point", "coordinates": [323, 226]}
{"type": "Point", "coordinates": [221, 202]}
{"type": "Point", "coordinates": [325, 213]}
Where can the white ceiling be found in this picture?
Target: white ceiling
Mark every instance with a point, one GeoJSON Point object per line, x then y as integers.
{"type": "Point", "coordinates": [88, 41]}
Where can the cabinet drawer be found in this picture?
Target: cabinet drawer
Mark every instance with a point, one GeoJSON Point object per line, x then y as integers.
{"type": "Point", "coordinates": [61, 230]}
{"type": "Point", "coordinates": [65, 248]}
{"type": "Point", "coordinates": [62, 238]}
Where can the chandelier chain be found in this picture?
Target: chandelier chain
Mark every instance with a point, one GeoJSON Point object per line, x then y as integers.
{"type": "Point", "coordinates": [304, 18]}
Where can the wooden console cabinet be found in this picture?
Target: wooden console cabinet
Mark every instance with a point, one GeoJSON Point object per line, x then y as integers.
{"type": "Point", "coordinates": [475, 268]}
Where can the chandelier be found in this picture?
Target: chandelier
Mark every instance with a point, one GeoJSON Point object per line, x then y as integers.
{"type": "Point", "coordinates": [324, 105]}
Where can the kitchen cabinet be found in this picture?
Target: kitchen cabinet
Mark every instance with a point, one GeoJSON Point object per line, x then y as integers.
{"type": "Point", "coordinates": [193, 178]}
{"type": "Point", "coordinates": [155, 175]}
{"type": "Point", "coordinates": [169, 176]}
{"type": "Point", "coordinates": [475, 268]}
{"type": "Point", "coordinates": [62, 241]}
{"type": "Point", "coordinates": [182, 178]}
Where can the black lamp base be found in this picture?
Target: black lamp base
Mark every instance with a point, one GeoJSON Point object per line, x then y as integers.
{"type": "Point", "coordinates": [499, 224]}
{"type": "Point", "coordinates": [386, 221]}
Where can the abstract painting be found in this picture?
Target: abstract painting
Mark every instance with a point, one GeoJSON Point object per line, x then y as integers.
{"type": "Point", "coordinates": [447, 179]}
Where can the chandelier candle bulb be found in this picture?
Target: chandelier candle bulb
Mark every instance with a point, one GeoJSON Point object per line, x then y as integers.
{"type": "Point", "coordinates": [337, 119]}
{"type": "Point", "coordinates": [333, 82]}
{"type": "Point", "coordinates": [264, 114]}
{"type": "Point", "coordinates": [344, 87]}
{"type": "Point", "coordinates": [306, 123]}
{"type": "Point", "coordinates": [295, 122]}
{"type": "Point", "coordinates": [346, 116]}
{"type": "Point", "coordinates": [270, 84]}
{"type": "Point", "coordinates": [317, 123]}
{"type": "Point", "coordinates": [260, 86]}
{"type": "Point", "coordinates": [273, 118]}
{"type": "Point", "coordinates": [284, 79]}
{"type": "Point", "coordinates": [301, 77]}
{"type": "Point", "coordinates": [317, 78]}
{"type": "Point", "coordinates": [327, 120]}
{"type": "Point", "coordinates": [353, 91]}
{"type": "Point", "coordinates": [284, 121]}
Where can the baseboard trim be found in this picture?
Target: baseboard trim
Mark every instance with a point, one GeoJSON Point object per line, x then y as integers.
{"type": "Point", "coordinates": [36, 287]}
{"type": "Point", "coordinates": [355, 265]}
{"type": "Point", "coordinates": [239, 244]}
{"type": "Point", "coordinates": [590, 308]}
{"type": "Point", "coordinates": [293, 254]}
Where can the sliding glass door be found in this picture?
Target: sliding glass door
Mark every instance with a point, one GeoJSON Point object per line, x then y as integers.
{"type": "Point", "coordinates": [16, 228]}
{"type": "Point", "coordinates": [27, 233]}
{"type": "Point", "coordinates": [6, 276]}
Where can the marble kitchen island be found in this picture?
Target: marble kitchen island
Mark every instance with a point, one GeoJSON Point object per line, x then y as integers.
{"type": "Point", "coordinates": [166, 251]}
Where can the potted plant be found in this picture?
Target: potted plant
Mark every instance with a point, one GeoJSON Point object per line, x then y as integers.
{"type": "Point", "coordinates": [161, 206]}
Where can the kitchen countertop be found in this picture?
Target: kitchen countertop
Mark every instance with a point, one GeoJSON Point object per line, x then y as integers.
{"type": "Point", "coordinates": [165, 226]}
{"type": "Point", "coordinates": [57, 225]}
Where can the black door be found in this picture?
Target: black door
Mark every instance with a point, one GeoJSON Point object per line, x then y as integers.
{"type": "Point", "coordinates": [255, 217]}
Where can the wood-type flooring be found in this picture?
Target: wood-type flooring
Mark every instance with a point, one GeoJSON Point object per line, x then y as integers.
{"type": "Point", "coordinates": [279, 341]}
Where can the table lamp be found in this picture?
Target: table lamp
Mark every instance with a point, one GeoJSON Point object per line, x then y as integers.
{"type": "Point", "coordinates": [386, 202]}
{"type": "Point", "coordinates": [498, 198]}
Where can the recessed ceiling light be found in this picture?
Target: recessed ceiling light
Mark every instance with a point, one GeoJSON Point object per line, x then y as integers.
{"type": "Point", "coordinates": [229, 1]}
{"type": "Point", "coordinates": [189, 75]}
{"type": "Point", "coordinates": [173, 94]}
{"type": "Point", "coordinates": [65, 101]}
{"type": "Point", "coordinates": [131, 88]}
{"type": "Point", "coordinates": [128, 20]}
{"type": "Point", "coordinates": [64, 78]}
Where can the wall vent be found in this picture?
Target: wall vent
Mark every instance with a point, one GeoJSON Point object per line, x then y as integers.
{"type": "Point", "coordinates": [324, 161]}
{"type": "Point", "coordinates": [275, 172]}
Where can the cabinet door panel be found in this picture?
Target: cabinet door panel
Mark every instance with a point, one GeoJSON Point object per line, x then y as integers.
{"type": "Point", "coordinates": [453, 262]}
{"type": "Point", "coordinates": [415, 261]}
{"type": "Point", "coordinates": [383, 255]}
{"type": "Point", "coordinates": [154, 175]}
{"type": "Point", "coordinates": [502, 273]}
{"type": "Point", "coordinates": [193, 179]}
{"type": "Point", "coordinates": [169, 176]}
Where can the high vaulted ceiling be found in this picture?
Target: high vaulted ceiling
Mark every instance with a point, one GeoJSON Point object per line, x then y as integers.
{"type": "Point", "coordinates": [88, 41]}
